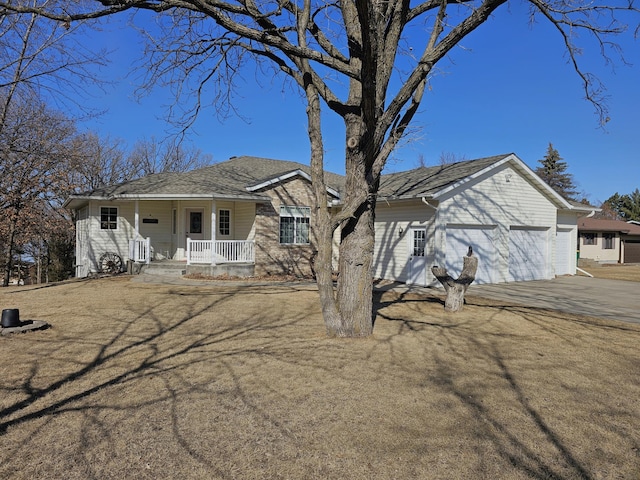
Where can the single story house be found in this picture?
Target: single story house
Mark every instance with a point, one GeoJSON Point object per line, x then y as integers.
{"type": "Point", "coordinates": [609, 241]}
{"type": "Point", "coordinates": [250, 214]}
{"type": "Point", "coordinates": [256, 212]}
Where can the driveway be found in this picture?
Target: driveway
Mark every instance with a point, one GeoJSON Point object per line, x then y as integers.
{"type": "Point", "coordinates": [610, 299]}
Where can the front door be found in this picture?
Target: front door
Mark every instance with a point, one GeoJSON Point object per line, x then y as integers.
{"type": "Point", "coordinates": [195, 226]}
{"type": "Point", "coordinates": [417, 256]}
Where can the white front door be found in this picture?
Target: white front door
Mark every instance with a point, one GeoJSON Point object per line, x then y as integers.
{"type": "Point", "coordinates": [417, 256]}
{"type": "Point", "coordinates": [195, 224]}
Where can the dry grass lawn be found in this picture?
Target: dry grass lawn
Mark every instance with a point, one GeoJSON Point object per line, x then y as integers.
{"type": "Point", "coordinates": [629, 273]}
{"type": "Point", "coordinates": [239, 382]}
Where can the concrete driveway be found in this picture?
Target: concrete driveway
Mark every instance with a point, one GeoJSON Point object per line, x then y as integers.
{"type": "Point", "coordinates": [610, 299]}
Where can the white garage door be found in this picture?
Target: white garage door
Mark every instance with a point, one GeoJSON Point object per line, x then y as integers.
{"type": "Point", "coordinates": [527, 254]}
{"type": "Point", "coordinates": [481, 238]}
{"type": "Point", "coordinates": [564, 251]}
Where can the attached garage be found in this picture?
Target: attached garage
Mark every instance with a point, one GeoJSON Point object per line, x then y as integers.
{"type": "Point", "coordinates": [632, 251]}
{"type": "Point", "coordinates": [496, 205]}
{"type": "Point", "coordinates": [482, 239]}
{"type": "Point", "coordinates": [528, 254]}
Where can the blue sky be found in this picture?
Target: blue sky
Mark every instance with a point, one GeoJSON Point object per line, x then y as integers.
{"type": "Point", "coordinates": [509, 88]}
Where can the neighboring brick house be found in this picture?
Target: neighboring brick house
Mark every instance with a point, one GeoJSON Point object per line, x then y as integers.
{"type": "Point", "coordinates": [608, 241]}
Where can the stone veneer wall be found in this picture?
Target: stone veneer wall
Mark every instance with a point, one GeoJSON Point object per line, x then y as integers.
{"type": "Point", "coordinates": [272, 258]}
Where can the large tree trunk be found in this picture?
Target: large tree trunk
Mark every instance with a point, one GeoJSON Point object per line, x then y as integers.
{"type": "Point", "coordinates": [355, 280]}
{"type": "Point", "coordinates": [454, 301]}
{"type": "Point", "coordinates": [349, 313]}
{"type": "Point", "coordinates": [9, 248]}
{"type": "Point", "coordinates": [347, 309]}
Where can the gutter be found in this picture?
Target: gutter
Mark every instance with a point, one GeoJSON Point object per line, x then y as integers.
{"type": "Point", "coordinates": [426, 202]}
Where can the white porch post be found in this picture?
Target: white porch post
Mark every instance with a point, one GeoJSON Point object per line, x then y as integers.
{"type": "Point", "coordinates": [213, 232]}
{"type": "Point", "coordinates": [137, 218]}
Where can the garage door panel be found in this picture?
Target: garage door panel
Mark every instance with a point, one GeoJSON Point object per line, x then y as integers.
{"type": "Point", "coordinates": [632, 251]}
{"type": "Point", "coordinates": [481, 239]}
{"type": "Point", "coordinates": [564, 252]}
{"type": "Point", "coordinates": [527, 254]}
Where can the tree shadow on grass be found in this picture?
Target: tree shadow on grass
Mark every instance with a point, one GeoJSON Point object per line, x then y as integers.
{"type": "Point", "coordinates": [471, 342]}
{"type": "Point", "coordinates": [156, 342]}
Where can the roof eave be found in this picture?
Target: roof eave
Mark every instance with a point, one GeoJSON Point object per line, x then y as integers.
{"type": "Point", "coordinates": [286, 176]}
{"type": "Point", "coordinates": [511, 158]}
{"type": "Point", "coordinates": [75, 201]}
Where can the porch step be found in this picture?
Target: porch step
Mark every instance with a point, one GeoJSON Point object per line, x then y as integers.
{"type": "Point", "coordinates": [165, 268]}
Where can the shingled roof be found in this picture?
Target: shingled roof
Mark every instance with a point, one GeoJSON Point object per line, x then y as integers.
{"type": "Point", "coordinates": [230, 180]}
{"type": "Point", "coordinates": [241, 178]}
{"type": "Point", "coordinates": [426, 181]}
{"type": "Point", "coordinates": [589, 224]}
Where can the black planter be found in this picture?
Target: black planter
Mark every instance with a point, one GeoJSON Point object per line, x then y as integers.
{"type": "Point", "coordinates": [10, 318]}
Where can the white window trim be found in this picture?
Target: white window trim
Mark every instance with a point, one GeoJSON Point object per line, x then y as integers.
{"type": "Point", "coordinates": [220, 210]}
{"type": "Point", "coordinates": [292, 211]}
{"type": "Point", "coordinates": [117, 216]}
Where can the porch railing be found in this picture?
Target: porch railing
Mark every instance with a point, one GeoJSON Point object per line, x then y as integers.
{"type": "Point", "coordinates": [140, 250]}
{"type": "Point", "coordinates": [222, 251]}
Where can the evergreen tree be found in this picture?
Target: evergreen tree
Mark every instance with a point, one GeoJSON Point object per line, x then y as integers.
{"type": "Point", "coordinates": [627, 206]}
{"type": "Point", "coordinates": [554, 172]}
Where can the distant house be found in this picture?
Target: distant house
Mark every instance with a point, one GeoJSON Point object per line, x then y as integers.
{"type": "Point", "coordinates": [256, 213]}
{"type": "Point", "coordinates": [609, 241]}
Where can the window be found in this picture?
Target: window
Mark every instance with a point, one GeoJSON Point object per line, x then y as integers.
{"type": "Point", "coordinates": [608, 241]}
{"type": "Point", "coordinates": [588, 238]}
{"type": "Point", "coordinates": [195, 222]}
{"type": "Point", "coordinates": [174, 221]}
{"type": "Point", "coordinates": [108, 218]}
{"type": "Point", "coordinates": [294, 225]}
{"type": "Point", "coordinates": [419, 242]}
{"type": "Point", "coordinates": [224, 222]}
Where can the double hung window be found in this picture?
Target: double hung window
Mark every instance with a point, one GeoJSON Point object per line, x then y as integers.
{"type": "Point", "coordinates": [108, 218]}
{"type": "Point", "coordinates": [224, 222]}
{"type": "Point", "coordinates": [294, 225]}
{"type": "Point", "coordinates": [608, 242]}
{"type": "Point", "coordinates": [588, 238]}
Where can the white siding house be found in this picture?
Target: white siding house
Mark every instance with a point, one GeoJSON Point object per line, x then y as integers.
{"type": "Point", "coordinates": [497, 205]}
{"type": "Point", "coordinates": [257, 211]}
{"type": "Point", "coordinates": [232, 212]}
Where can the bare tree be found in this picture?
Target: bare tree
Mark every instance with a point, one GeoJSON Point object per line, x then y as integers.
{"type": "Point", "coordinates": [97, 162]}
{"type": "Point", "coordinates": [349, 57]}
{"type": "Point", "coordinates": [151, 156]}
{"type": "Point", "coordinates": [447, 158]}
{"type": "Point", "coordinates": [35, 145]}
{"type": "Point", "coordinates": [39, 58]}
{"type": "Point", "coordinates": [43, 58]}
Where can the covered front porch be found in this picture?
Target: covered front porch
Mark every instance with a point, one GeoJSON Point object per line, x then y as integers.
{"type": "Point", "coordinates": [194, 231]}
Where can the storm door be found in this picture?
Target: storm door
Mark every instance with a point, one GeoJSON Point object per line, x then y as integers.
{"type": "Point", "coordinates": [417, 256]}
{"type": "Point", "coordinates": [195, 225]}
